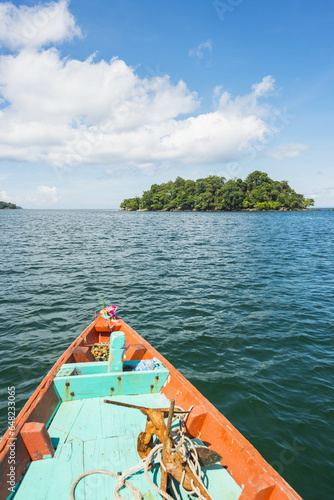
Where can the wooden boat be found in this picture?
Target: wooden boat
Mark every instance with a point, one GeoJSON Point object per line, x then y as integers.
{"type": "Point", "coordinates": [66, 429]}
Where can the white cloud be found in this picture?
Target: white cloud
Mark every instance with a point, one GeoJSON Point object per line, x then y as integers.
{"type": "Point", "coordinates": [70, 111]}
{"type": "Point", "coordinates": [262, 88]}
{"type": "Point", "coordinates": [36, 26]}
{"type": "Point", "coordinates": [200, 50]}
{"type": "Point", "coordinates": [66, 112]}
{"type": "Point", "coordinates": [291, 150]}
{"type": "Point", "coordinates": [50, 192]}
{"type": "Point", "coordinates": [4, 196]}
{"type": "Point", "coordinates": [47, 190]}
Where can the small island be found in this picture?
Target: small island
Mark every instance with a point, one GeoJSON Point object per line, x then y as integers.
{"type": "Point", "coordinates": [4, 205]}
{"type": "Point", "coordinates": [256, 193]}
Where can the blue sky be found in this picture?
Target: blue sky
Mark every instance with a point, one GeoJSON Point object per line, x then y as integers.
{"type": "Point", "coordinates": [101, 99]}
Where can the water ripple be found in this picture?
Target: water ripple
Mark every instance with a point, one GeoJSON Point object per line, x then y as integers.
{"type": "Point", "coordinates": [240, 303]}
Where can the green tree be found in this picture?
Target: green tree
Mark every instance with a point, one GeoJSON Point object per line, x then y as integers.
{"type": "Point", "coordinates": [131, 203]}
{"type": "Point", "coordinates": [233, 195]}
{"type": "Point", "coordinates": [5, 205]}
{"type": "Point", "coordinates": [258, 191]}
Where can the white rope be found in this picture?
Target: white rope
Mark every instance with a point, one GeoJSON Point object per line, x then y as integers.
{"type": "Point", "coordinates": [156, 449]}
{"type": "Point", "coordinates": [174, 489]}
{"type": "Point", "coordinates": [120, 483]}
{"type": "Point", "coordinates": [190, 455]}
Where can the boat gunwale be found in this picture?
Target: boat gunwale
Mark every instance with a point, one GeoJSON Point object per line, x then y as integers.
{"type": "Point", "coordinates": [39, 391]}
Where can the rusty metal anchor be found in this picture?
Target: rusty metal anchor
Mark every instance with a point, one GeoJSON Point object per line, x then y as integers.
{"type": "Point", "coordinates": [174, 463]}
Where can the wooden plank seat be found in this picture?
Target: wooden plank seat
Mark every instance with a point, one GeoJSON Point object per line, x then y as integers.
{"type": "Point", "coordinates": [90, 380]}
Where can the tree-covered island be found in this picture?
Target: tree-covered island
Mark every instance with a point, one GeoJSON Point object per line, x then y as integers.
{"type": "Point", "coordinates": [4, 205]}
{"type": "Point", "coordinates": [256, 192]}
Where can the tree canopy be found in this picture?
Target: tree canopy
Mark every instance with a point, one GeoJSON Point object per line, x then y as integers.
{"type": "Point", "coordinates": [256, 192]}
{"type": "Point", "coordinates": [6, 205]}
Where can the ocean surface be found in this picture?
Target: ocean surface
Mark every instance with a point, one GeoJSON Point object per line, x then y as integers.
{"type": "Point", "coordinates": [241, 303]}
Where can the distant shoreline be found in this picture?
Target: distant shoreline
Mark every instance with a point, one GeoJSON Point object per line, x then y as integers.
{"type": "Point", "coordinates": [164, 211]}
{"type": "Point", "coordinates": [9, 206]}
{"type": "Point", "coordinates": [235, 210]}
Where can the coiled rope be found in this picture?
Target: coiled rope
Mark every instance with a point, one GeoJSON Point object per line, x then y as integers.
{"type": "Point", "coordinates": [184, 446]}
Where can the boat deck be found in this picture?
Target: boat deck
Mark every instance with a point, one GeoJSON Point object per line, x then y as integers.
{"type": "Point", "coordinates": [89, 434]}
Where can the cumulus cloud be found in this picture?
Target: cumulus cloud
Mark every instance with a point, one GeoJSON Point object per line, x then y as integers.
{"type": "Point", "coordinates": [4, 196]}
{"type": "Point", "coordinates": [199, 51]}
{"type": "Point", "coordinates": [50, 192]}
{"type": "Point", "coordinates": [36, 26]}
{"type": "Point", "coordinates": [265, 86]}
{"type": "Point", "coordinates": [70, 112]}
{"type": "Point", "coordinates": [291, 150]}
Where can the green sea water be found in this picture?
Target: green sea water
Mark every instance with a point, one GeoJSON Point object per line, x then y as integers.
{"type": "Point", "coordinates": [241, 303]}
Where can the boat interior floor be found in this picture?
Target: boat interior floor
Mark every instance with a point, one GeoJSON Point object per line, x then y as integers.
{"type": "Point", "coordinates": [89, 434]}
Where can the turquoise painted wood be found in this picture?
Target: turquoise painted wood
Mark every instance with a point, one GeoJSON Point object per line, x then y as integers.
{"type": "Point", "coordinates": [116, 352]}
{"type": "Point", "coordinates": [94, 368]}
{"type": "Point", "coordinates": [89, 419]}
{"type": "Point", "coordinates": [110, 384]}
{"type": "Point", "coordinates": [117, 454]}
{"type": "Point", "coordinates": [105, 453]}
{"type": "Point", "coordinates": [89, 368]}
{"type": "Point", "coordinates": [117, 340]}
{"type": "Point", "coordinates": [115, 363]}
{"type": "Point", "coordinates": [93, 434]}
{"type": "Point", "coordinates": [63, 421]}
{"type": "Point", "coordinates": [52, 479]}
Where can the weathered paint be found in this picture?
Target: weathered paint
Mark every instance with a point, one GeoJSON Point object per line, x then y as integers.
{"type": "Point", "coordinates": [102, 325]}
{"type": "Point", "coordinates": [115, 361]}
{"type": "Point", "coordinates": [93, 435]}
{"type": "Point", "coordinates": [116, 352]}
{"type": "Point", "coordinates": [37, 440]}
{"type": "Point", "coordinates": [135, 352]}
{"type": "Point", "coordinates": [259, 480]}
{"type": "Point", "coordinates": [83, 354]}
{"type": "Point", "coordinates": [117, 340]}
{"type": "Point", "coordinates": [96, 385]}
{"type": "Point", "coordinates": [69, 369]}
